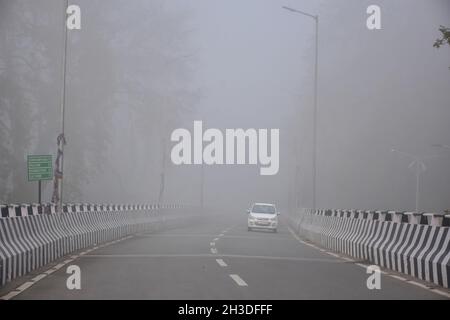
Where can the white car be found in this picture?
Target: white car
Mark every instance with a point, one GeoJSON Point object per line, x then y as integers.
{"type": "Point", "coordinates": [263, 216]}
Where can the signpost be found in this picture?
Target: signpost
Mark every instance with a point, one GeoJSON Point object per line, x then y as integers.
{"type": "Point", "coordinates": [39, 168]}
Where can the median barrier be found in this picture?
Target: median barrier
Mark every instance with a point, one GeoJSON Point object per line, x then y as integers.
{"type": "Point", "coordinates": [33, 235]}
{"type": "Point", "coordinates": [415, 244]}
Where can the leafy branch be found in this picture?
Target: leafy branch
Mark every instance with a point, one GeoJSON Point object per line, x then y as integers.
{"type": "Point", "coordinates": [445, 37]}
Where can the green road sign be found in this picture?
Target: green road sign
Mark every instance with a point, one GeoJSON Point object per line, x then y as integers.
{"type": "Point", "coordinates": [40, 168]}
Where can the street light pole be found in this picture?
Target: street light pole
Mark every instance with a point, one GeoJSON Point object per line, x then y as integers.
{"type": "Point", "coordinates": [63, 104]}
{"type": "Point", "coordinates": [57, 196]}
{"type": "Point", "coordinates": [316, 86]}
{"type": "Point", "coordinates": [316, 78]}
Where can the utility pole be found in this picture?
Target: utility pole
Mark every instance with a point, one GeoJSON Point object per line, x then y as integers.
{"type": "Point", "coordinates": [316, 85]}
{"type": "Point", "coordinates": [61, 140]}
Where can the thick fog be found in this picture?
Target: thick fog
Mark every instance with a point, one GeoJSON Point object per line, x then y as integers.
{"type": "Point", "coordinates": [137, 70]}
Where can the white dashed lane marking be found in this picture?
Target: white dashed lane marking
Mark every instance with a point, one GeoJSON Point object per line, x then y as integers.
{"type": "Point", "coordinates": [238, 280]}
{"type": "Point", "coordinates": [221, 262]}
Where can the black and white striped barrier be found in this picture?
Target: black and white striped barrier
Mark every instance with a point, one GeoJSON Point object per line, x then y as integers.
{"type": "Point", "coordinates": [23, 210]}
{"type": "Point", "coordinates": [406, 242]}
{"type": "Point", "coordinates": [32, 236]}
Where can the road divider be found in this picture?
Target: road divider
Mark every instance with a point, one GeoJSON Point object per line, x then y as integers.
{"type": "Point", "coordinates": [414, 244]}
{"type": "Point", "coordinates": [32, 236]}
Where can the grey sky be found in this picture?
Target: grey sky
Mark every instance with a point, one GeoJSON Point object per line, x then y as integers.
{"type": "Point", "coordinates": [251, 65]}
{"type": "Point", "coordinates": [378, 90]}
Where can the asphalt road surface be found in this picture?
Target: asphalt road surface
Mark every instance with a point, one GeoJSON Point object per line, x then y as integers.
{"type": "Point", "coordinates": [217, 258]}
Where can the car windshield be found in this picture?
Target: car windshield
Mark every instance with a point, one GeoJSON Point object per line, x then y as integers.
{"type": "Point", "coordinates": [258, 208]}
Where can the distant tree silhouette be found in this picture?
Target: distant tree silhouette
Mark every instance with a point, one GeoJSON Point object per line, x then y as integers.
{"type": "Point", "coordinates": [445, 37]}
{"type": "Point", "coordinates": [26, 78]}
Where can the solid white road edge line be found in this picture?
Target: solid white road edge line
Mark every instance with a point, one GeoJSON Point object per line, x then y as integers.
{"type": "Point", "coordinates": [417, 284]}
{"type": "Point", "coordinates": [28, 284]}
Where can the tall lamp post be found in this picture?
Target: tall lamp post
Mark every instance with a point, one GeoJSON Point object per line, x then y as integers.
{"type": "Point", "coordinates": [419, 165]}
{"type": "Point", "coordinates": [162, 183]}
{"type": "Point", "coordinates": [316, 65]}
{"type": "Point", "coordinates": [57, 197]}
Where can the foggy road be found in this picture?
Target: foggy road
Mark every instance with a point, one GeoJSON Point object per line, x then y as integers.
{"type": "Point", "coordinates": [217, 258]}
{"type": "Point", "coordinates": [224, 150]}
